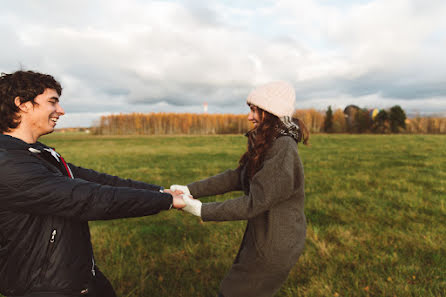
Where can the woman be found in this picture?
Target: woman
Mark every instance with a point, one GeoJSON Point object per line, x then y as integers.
{"type": "Point", "coordinates": [272, 178]}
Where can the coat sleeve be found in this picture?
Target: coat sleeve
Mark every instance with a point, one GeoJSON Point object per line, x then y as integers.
{"type": "Point", "coordinates": [30, 187]}
{"type": "Point", "coordinates": [105, 179]}
{"type": "Point", "coordinates": [275, 182]}
{"type": "Point", "coordinates": [224, 182]}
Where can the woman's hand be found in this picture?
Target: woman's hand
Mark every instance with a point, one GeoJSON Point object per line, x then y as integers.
{"type": "Point", "coordinates": [180, 189]}
{"type": "Point", "coordinates": [193, 206]}
{"type": "Point", "coordinates": [173, 192]}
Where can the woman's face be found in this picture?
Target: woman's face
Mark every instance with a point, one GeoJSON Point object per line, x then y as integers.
{"type": "Point", "coordinates": [254, 116]}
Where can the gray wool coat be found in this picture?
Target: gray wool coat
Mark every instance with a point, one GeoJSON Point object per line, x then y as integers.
{"type": "Point", "coordinates": [274, 207]}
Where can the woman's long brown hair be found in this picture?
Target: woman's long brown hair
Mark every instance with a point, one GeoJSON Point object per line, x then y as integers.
{"type": "Point", "coordinates": [258, 146]}
{"type": "Point", "coordinates": [265, 133]}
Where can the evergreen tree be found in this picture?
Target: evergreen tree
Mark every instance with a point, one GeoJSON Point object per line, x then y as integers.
{"type": "Point", "coordinates": [328, 122]}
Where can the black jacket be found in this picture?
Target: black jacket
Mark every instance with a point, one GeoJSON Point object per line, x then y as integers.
{"type": "Point", "coordinates": [44, 236]}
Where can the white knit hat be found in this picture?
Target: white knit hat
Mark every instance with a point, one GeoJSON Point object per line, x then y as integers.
{"type": "Point", "coordinates": [275, 97]}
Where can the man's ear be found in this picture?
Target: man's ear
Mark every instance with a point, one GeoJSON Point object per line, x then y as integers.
{"type": "Point", "coordinates": [25, 106]}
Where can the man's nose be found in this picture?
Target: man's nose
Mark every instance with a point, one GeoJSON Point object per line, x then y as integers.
{"type": "Point", "coordinates": [60, 110]}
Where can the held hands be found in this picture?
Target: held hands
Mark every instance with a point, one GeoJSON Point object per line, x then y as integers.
{"type": "Point", "coordinates": [191, 205]}
{"type": "Point", "coordinates": [178, 200]}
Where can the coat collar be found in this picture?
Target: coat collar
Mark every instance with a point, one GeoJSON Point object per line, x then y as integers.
{"type": "Point", "coordinates": [8, 142]}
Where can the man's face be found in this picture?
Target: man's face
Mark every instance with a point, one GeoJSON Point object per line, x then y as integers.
{"type": "Point", "coordinates": [42, 117]}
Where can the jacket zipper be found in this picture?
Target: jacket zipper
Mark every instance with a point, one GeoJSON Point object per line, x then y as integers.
{"type": "Point", "coordinates": [92, 267]}
{"type": "Point", "coordinates": [49, 251]}
{"type": "Point", "coordinates": [53, 236]}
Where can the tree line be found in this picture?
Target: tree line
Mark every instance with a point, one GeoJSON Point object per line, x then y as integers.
{"type": "Point", "coordinates": [171, 123]}
{"type": "Point", "coordinates": [350, 120]}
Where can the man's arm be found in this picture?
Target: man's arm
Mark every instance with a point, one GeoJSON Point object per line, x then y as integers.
{"type": "Point", "coordinates": [106, 179]}
{"type": "Point", "coordinates": [29, 187]}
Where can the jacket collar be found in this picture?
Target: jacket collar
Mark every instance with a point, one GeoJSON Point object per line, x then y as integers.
{"type": "Point", "coordinates": [8, 142]}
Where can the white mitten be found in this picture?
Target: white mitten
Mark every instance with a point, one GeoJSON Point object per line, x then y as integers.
{"type": "Point", "coordinates": [193, 206]}
{"type": "Point", "coordinates": [181, 188]}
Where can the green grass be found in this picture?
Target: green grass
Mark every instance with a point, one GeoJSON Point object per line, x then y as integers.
{"type": "Point", "coordinates": [375, 209]}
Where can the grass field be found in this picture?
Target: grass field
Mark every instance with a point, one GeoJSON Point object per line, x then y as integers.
{"type": "Point", "coordinates": [375, 209]}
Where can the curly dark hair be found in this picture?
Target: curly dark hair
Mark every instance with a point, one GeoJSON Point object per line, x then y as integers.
{"type": "Point", "coordinates": [261, 139]}
{"type": "Point", "coordinates": [26, 85]}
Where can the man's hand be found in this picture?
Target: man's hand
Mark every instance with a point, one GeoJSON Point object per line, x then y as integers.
{"type": "Point", "coordinates": [178, 201]}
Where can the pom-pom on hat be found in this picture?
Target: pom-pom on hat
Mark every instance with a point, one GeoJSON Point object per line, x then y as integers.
{"type": "Point", "coordinates": [275, 97]}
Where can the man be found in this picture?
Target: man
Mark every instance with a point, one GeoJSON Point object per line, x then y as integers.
{"type": "Point", "coordinates": [46, 203]}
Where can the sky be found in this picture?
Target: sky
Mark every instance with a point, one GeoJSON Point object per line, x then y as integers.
{"type": "Point", "coordinates": [172, 56]}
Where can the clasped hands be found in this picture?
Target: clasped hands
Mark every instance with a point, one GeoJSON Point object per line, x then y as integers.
{"type": "Point", "coordinates": [182, 199]}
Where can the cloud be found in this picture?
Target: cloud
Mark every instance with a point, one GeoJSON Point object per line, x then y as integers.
{"type": "Point", "coordinates": [115, 56]}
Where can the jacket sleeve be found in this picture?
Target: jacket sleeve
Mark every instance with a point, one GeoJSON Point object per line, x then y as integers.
{"type": "Point", "coordinates": [224, 182]}
{"type": "Point", "coordinates": [30, 187]}
{"type": "Point", "coordinates": [105, 179]}
{"type": "Point", "coordinates": [274, 182]}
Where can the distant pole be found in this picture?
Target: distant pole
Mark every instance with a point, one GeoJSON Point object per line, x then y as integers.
{"type": "Point", "coordinates": [205, 107]}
